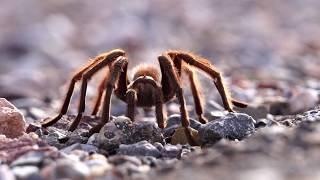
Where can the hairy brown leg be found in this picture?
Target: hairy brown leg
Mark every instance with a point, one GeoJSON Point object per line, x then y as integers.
{"type": "Point", "coordinates": [131, 102]}
{"type": "Point", "coordinates": [205, 66]}
{"type": "Point", "coordinates": [122, 84]}
{"type": "Point", "coordinates": [169, 72]}
{"type": "Point", "coordinates": [115, 71]}
{"type": "Point", "coordinates": [239, 103]}
{"type": "Point", "coordinates": [78, 75]}
{"type": "Point", "coordinates": [120, 91]}
{"type": "Point", "coordinates": [85, 78]}
{"type": "Point", "coordinates": [160, 112]}
{"type": "Point", "coordinates": [198, 101]}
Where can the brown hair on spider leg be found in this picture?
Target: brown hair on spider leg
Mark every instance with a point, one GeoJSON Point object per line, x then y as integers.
{"type": "Point", "coordinates": [198, 97]}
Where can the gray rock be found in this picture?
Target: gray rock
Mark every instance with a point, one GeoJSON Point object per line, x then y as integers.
{"type": "Point", "coordinates": [33, 158]}
{"type": "Point", "coordinates": [77, 146]}
{"type": "Point", "coordinates": [26, 172]}
{"type": "Point", "coordinates": [66, 169]}
{"type": "Point", "coordinates": [184, 153]}
{"type": "Point", "coordinates": [159, 146]}
{"type": "Point", "coordinates": [123, 131]}
{"type": "Point", "coordinates": [309, 116]}
{"type": "Point", "coordinates": [52, 136]}
{"type": "Point", "coordinates": [98, 165]}
{"type": "Point", "coordinates": [12, 149]}
{"type": "Point", "coordinates": [118, 160]}
{"type": "Point", "coordinates": [232, 126]}
{"type": "Point", "coordinates": [174, 121]}
{"type": "Point", "coordinates": [76, 154]}
{"type": "Point", "coordinates": [302, 100]}
{"type": "Point", "coordinates": [171, 151]}
{"type": "Point", "coordinates": [213, 115]}
{"type": "Point", "coordinates": [149, 160]}
{"type": "Point", "coordinates": [142, 148]}
{"type": "Point", "coordinates": [5, 173]}
{"type": "Point", "coordinates": [77, 136]}
{"type": "Point", "coordinates": [262, 123]}
{"type": "Point", "coordinates": [61, 138]}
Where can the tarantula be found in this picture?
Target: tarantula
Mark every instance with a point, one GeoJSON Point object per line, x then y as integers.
{"type": "Point", "coordinates": [147, 88]}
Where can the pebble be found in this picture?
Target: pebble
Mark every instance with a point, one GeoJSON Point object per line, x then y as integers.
{"type": "Point", "coordinates": [121, 159]}
{"type": "Point", "coordinates": [180, 137]}
{"type": "Point", "coordinates": [158, 145]}
{"type": "Point", "coordinates": [216, 115]}
{"type": "Point", "coordinates": [309, 116]}
{"type": "Point", "coordinates": [12, 149]}
{"type": "Point", "coordinates": [171, 151]}
{"type": "Point", "coordinates": [174, 122]}
{"type": "Point", "coordinates": [232, 126]}
{"type": "Point", "coordinates": [122, 131]}
{"type": "Point", "coordinates": [175, 119]}
{"type": "Point", "coordinates": [149, 160]}
{"type": "Point", "coordinates": [262, 123]}
{"type": "Point", "coordinates": [128, 169]}
{"type": "Point", "coordinates": [98, 165]}
{"type": "Point", "coordinates": [12, 122]}
{"type": "Point", "coordinates": [5, 173]}
{"type": "Point", "coordinates": [142, 148]}
{"type": "Point", "coordinates": [26, 172]}
{"type": "Point", "coordinates": [78, 146]}
{"type": "Point", "coordinates": [66, 169]}
{"type": "Point", "coordinates": [303, 100]}
{"type": "Point", "coordinates": [52, 136]}
{"type": "Point", "coordinates": [33, 158]}
{"type": "Point", "coordinates": [128, 166]}
{"type": "Point", "coordinates": [77, 155]}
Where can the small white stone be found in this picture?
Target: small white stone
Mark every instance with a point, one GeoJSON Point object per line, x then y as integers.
{"type": "Point", "coordinates": [303, 100]}
{"type": "Point", "coordinates": [12, 122]}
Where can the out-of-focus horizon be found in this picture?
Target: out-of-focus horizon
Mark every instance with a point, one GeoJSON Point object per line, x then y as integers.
{"type": "Point", "coordinates": [42, 42]}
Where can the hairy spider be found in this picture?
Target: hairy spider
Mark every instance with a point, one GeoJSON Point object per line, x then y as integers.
{"type": "Point", "coordinates": [147, 88]}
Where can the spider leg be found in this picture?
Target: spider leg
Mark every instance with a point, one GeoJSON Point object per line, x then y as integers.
{"type": "Point", "coordinates": [120, 91]}
{"type": "Point", "coordinates": [239, 103]}
{"type": "Point", "coordinates": [131, 101]}
{"type": "Point", "coordinates": [160, 112]}
{"type": "Point", "coordinates": [99, 61]}
{"type": "Point", "coordinates": [115, 72]}
{"type": "Point", "coordinates": [167, 70]}
{"type": "Point", "coordinates": [196, 93]}
{"type": "Point", "coordinates": [206, 66]}
{"type": "Point", "coordinates": [122, 84]}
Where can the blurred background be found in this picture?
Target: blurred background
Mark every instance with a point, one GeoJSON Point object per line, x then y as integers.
{"type": "Point", "coordinates": [43, 42]}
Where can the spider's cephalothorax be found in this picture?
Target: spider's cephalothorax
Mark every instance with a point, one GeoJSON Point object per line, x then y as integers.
{"type": "Point", "coordinates": [147, 88]}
